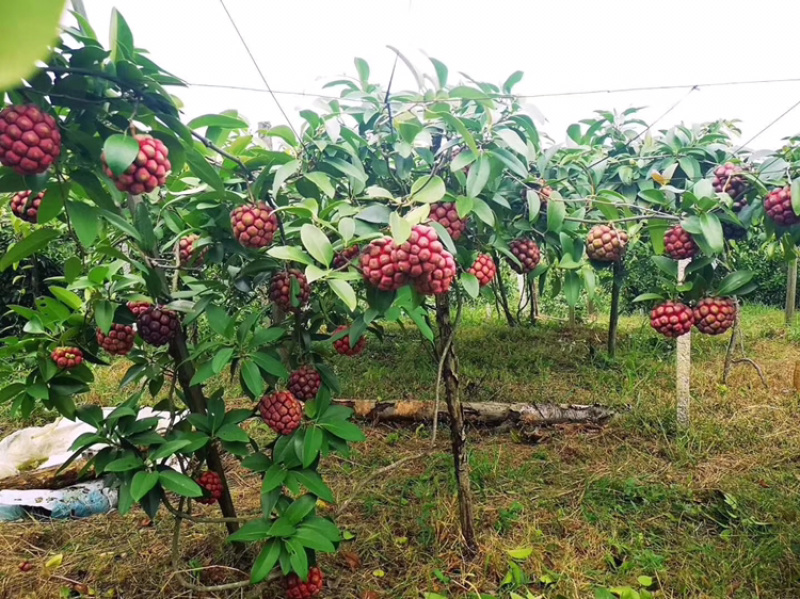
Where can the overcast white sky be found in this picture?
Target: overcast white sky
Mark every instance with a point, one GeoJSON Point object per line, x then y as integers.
{"type": "Point", "coordinates": [561, 45]}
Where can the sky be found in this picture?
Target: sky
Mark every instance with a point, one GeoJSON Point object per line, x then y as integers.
{"type": "Point", "coordinates": [560, 45]}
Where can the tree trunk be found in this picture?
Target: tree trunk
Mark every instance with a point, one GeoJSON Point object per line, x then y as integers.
{"type": "Point", "coordinates": [458, 430]}
{"type": "Point", "coordinates": [534, 291]}
{"type": "Point", "coordinates": [791, 290]}
{"type": "Point", "coordinates": [503, 296]}
{"type": "Point", "coordinates": [683, 366]}
{"type": "Point", "coordinates": [613, 321]}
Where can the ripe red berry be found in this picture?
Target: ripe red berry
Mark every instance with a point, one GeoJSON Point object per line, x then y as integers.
{"type": "Point", "coordinates": [67, 357]}
{"type": "Point", "coordinates": [342, 345]}
{"type": "Point", "coordinates": [29, 139]}
{"type": "Point", "coordinates": [672, 319]}
{"type": "Point", "coordinates": [778, 206]}
{"type": "Point", "coordinates": [380, 265]}
{"type": "Point", "coordinates": [424, 260]}
{"type": "Point", "coordinates": [678, 244]}
{"type": "Point", "coordinates": [149, 169]}
{"type": "Point", "coordinates": [445, 214]}
{"type": "Point", "coordinates": [157, 325]}
{"type": "Point", "coordinates": [254, 226]}
{"type": "Point", "coordinates": [139, 308]}
{"type": "Point", "coordinates": [606, 244]}
{"type": "Point", "coordinates": [280, 290]}
{"type": "Point", "coordinates": [26, 207]}
{"type": "Point", "coordinates": [346, 256]}
{"type": "Point", "coordinates": [484, 269]}
{"type": "Point", "coordinates": [312, 587]}
{"type": "Point", "coordinates": [188, 255]}
{"type": "Point", "coordinates": [714, 315]}
{"type": "Point", "coordinates": [728, 179]}
{"type": "Point", "coordinates": [282, 412]}
{"type": "Point", "coordinates": [119, 339]}
{"type": "Point", "coordinates": [212, 486]}
{"type": "Point", "coordinates": [527, 252]}
{"type": "Point", "coordinates": [304, 383]}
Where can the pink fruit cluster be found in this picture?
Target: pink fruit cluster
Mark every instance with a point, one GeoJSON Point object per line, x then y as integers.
{"type": "Point", "coordinates": [149, 169]}
{"type": "Point", "coordinates": [29, 139]}
{"type": "Point", "coordinates": [711, 316]}
{"type": "Point", "coordinates": [527, 252]}
{"type": "Point", "coordinates": [67, 357]}
{"type": "Point", "coordinates": [484, 269]}
{"type": "Point", "coordinates": [342, 345]}
{"type": "Point", "coordinates": [778, 206]}
{"type": "Point", "coordinates": [26, 207]}
{"type": "Point", "coordinates": [679, 245]}
{"type": "Point", "coordinates": [254, 226]}
{"type": "Point", "coordinates": [445, 214]}
{"type": "Point", "coordinates": [282, 412]}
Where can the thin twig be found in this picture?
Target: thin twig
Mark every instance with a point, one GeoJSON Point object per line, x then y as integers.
{"type": "Point", "coordinates": [442, 358]}
{"type": "Point", "coordinates": [375, 474]}
{"type": "Point", "coordinates": [756, 366]}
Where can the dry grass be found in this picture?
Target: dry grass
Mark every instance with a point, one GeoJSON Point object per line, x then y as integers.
{"type": "Point", "coordinates": [712, 513]}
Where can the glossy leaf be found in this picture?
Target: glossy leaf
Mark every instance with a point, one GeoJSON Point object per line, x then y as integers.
{"type": "Point", "coordinates": [120, 151]}
{"type": "Point", "coordinates": [317, 243]}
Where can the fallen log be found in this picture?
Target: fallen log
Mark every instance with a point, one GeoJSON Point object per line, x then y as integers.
{"type": "Point", "coordinates": [490, 414]}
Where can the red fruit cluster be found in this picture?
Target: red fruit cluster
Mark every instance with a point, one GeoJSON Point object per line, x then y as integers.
{"type": "Point", "coordinates": [728, 179]}
{"type": "Point", "coordinates": [25, 207]}
{"type": "Point", "coordinates": [423, 258]}
{"type": "Point", "coordinates": [254, 226]}
{"type": "Point", "coordinates": [280, 290]}
{"type": "Point", "coordinates": [346, 256]}
{"type": "Point", "coordinates": [672, 319]}
{"type": "Point", "coordinates": [678, 244]}
{"type": "Point", "coordinates": [297, 589]}
{"type": "Point", "coordinates": [606, 244]}
{"type": "Point", "coordinates": [29, 139]}
{"type": "Point", "coordinates": [778, 206]}
{"type": "Point", "coordinates": [282, 412]}
{"type": "Point", "coordinates": [119, 339]}
{"type": "Point", "coordinates": [304, 383]}
{"type": "Point", "coordinates": [380, 266]}
{"type": "Point", "coordinates": [446, 215]}
{"type": "Point", "coordinates": [157, 325]}
{"type": "Point", "coordinates": [484, 269]}
{"type": "Point", "coordinates": [527, 252]}
{"type": "Point", "coordinates": [211, 484]}
{"type": "Point", "coordinates": [67, 357]}
{"type": "Point", "coordinates": [139, 308]}
{"type": "Point", "coordinates": [149, 169]}
{"type": "Point", "coordinates": [342, 345]}
{"type": "Point", "coordinates": [714, 315]}
{"type": "Point", "coordinates": [187, 254]}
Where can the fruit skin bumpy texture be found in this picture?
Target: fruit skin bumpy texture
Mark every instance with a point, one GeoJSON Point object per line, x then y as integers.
{"type": "Point", "coordinates": [157, 325]}
{"type": "Point", "coordinates": [297, 589]}
{"type": "Point", "coordinates": [346, 256]}
{"type": "Point", "coordinates": [380, 267]}
{"type": "Point", "coordinates": [254, 226]}
{"type": "Point", "coordinates": [446, 215]}
{"type": "Point", "coordinates": [778, 206]}
{"type": "Point", "coordinates": [606, 244]}
{"type": "Point", "coordinates": [728, 178]}
{"type": "Point", "coordinates": [25, 207]}
{"type": "Point", "coordinates": [484, 269]}
{"type": "Point", "coordinates": [29, 139]}
{"type": "Point", "coordinates": [304, 383]}
{"type": "Point", "coordinates": [672, 319]}
{"type": "Point", "coordinates": [714, 315]}
{"type": "Point", "coordinates": [282, 412]}
{"type": "Point", "coordinates": [678, 244]}
{"type": "Point", "coordinates": [342, 345]}
{"type": "Point", "coordinates": [280, 290]}
{"type": "Point", "coordinates": [188, 255]}
{"type": "Point", "coordinates": [67, 357]}
{"type": "Point", "coordinates": [527, 252]}
{"type": "Point", "coordinates": [149, 169]}
{"type": "Point", "coordinates": [212, 485]}
{"type": "Point", "coordinates": [119, 339]}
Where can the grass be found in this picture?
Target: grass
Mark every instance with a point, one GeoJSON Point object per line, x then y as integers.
{"type": "Point", "coordinates": [710, 513]}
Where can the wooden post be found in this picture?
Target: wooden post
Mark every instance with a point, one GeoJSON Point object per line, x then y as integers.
{"type": "Point", "coordinates": [683, 367]}
{"type": "Point", "coordinates": [791, 290]}
{"type": "Point", "coordinates": [503, 296]}
{"type": "Point", "coordinates": [613, 321]}
{"type": "Point", "coordinates": [458, 429]}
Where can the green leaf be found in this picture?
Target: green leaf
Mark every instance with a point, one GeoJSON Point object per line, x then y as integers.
{"type": "Point", "coordinates": [266, 560]}
{"type": "Point", "coordinates": [703, 189]}
{"type": "Point", "coordinates": [646, 297]}
{"type": "Point", "coordinates": [483, 211]}
{"type": "Point", "coordinates": [281, 528]}
{"type": "Point", "coordinates": [27, 246]}
{"type": "Point", "coordinates": [464, 158]}
{"type": "Point", "coordinates": [444, 237]}
{"type": "Point", "coordinates": [308, 537]}
{"type": "Point", "coordinates": [300, 508]}
{"type": "Point", "coordinates": [120, 151]}
{"type": "Point", "coordinates": [347, 169]}
{"type": "Point", "coordinates": [66, 297]}
{"type": "Point", "coordinates": [314, 483]}
{"type": "Point", "coordinates": [347, 228]}
{"type": "Point", "coordinates": [290, 253]}
{"type": "Point", "coordinates": [471, 285]}
{"type": "Point", "coordinates": [311, 445]}
{"type": "Point", "coordinates": [734, 281]}
{"type": "Point", "coordinates": [796, 197]}
{"type": "Point", "coordinates": [273, 478]}
{"type": "Point", "coordinates": [323, 182]}
{"type": "Point", "coordinates": [512, 162]}
{"type": "Point", "coordinates": [534, 204]}
{"type": "Point", "coordinates": [252, 378]}
{"type": "Point", "coordinates": [572, 287]}
{"type": "Point", "coordinates": [84, 220]}
{"type": "Point", "coordinates": [556, 212]}
{"type": "Point", "coordinates": [141, 484]}
{"type": "Point", "coordinates": [271, 365]}
{"type": "Point", "coordinates": [459, 126]}
{"type": "Point", "coordinates": [51, 206]}
{"type": "Point", "coordinates": [317, 243]}
{"type": "Point", "coordinates": [223, 121]}
{"type": "Point", "coordinates": [399, 227]}
{"type": "Point", "coordinates": [691, 167]}
{"type": "Point", "coordinates": [512, 80]}
{"type": "Point", "coordinates": [203, 170]}
{"type": "Point", "coordinates": [441, 71]}
{"type": "Point", "coordinates": [377, 214]}
{"type": "Point", "coordinates": [344, 430]}
{"type": "Point", "coordinates": [282, 173]}
{"type": "Point", "coordinates": [428, 189]}
{"type": "Point", "coordinates": [345, 292]}
{"type": "Point", "coordinates": [104, 314]}
{"type": "Point", "coordinates": [123, 464]}
{"type": "Point", "coordinates": [179, 483]}
{"type": "Point", "coordinates": [120, 37]}
{"type": "Point", "coordinates": [26, 35]}
{"type": "Point", "coordinates": [256, 530]}
{"type": "Point", "coordinates": [478, 176]}
{"type": "Point", "coordinates": [666, 265]}
{"type": "Point", "coordinates": [523, 553]}
{"type": "Point", "coordinates": [514, 141]}
{"type": "Point", "coordinates": [712, 231]}
{"type": "Point", "coordinates": [363, 69]}
{"type": "Point", "coordinates": [233, 433]}
{"type": "Point", "coordinates": [169, 448]}
{"type": "Point", "coordinates": [221, 359]}
{"type": "Point", "coordinates": [121, 224]}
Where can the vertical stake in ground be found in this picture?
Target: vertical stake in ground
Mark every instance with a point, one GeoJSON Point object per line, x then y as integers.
{"type": "Point", "coordinates": [683, 371]}
{"type": "Point", "coordinates": [791, 288]}
{"type": "Point", "coordinates": [613, 320]}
